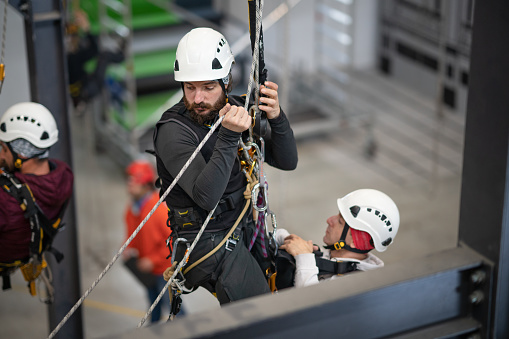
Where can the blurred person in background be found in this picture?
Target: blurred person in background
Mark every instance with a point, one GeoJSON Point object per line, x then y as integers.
{"type": "Point", "coordinates": [146, 255]}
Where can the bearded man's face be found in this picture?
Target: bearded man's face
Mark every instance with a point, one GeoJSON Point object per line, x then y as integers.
{"type": "Point", "coordinates": [203, 99]}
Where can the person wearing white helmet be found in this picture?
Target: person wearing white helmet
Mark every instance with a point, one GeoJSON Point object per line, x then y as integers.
{"type": "Point", "coordinates": [368, 219]}
{"type": "Point", "coordinates": [203, 66]}
{"type": "Point", "coordinates": [27, 131]}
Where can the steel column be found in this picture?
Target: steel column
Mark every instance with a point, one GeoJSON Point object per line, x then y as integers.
{"type": "Point", "coordinates": [484, 213]}
{"type": "Point", "coordinates": [44, 29]}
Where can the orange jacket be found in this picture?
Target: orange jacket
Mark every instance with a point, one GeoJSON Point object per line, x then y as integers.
{"type": "Point", "coordinates": [151, 240]}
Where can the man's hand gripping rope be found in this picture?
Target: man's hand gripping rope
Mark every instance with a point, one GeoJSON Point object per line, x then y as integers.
{"type": "Point", "coordinates": [138, 229]}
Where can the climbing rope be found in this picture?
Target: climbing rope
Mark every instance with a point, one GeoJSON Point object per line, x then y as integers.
{"type": "Point", "coordinates": [138, 229]}
{"type": "Point", "coordinates": [261, 203]}
{"type": "Point", "coordinates": [2, 54]}
{"type": "Point", "coordinates": [254, 66]}
{"type": "Point", "coordinates": [179, 267]}
{"type": "Point", "coordinates": [253, 180]}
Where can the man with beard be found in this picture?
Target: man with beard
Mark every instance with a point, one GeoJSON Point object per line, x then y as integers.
{"type": "Point", "coordinates": [27, 131]}
{"type": "Point", "coordinates": [203, 64]}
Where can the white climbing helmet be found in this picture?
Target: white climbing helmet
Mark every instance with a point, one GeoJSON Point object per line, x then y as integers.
{"type": "Point", "coordinates": [203, 54]}
{"type": "Point", "coordinates": [371, 211]}
{"type": "Point", "coordinates": [30, 121]}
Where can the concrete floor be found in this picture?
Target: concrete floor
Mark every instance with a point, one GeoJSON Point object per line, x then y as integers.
{"type": "Point", "coordinates": [418, 163]}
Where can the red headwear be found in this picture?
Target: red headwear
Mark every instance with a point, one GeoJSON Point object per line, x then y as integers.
{"type": "Point", "coordinates": [361, 240]}
{"type": "Point", "coordinates": [141, 171]}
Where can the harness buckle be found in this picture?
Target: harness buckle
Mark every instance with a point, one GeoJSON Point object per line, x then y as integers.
{"type": "Point", "coordinates": [232, 242]}
{"type": "Point", "coordinates": [339, 245]}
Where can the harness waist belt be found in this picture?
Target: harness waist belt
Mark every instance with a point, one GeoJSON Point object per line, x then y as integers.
{"type": "Point", "coordinates": [185, 218]}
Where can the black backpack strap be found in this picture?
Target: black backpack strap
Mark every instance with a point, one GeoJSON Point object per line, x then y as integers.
{"type": "Point", "coordinates": [35, 215]}
{"type": "Point", "coordinates": [285, 267]}
{"type": "Point", "coordinates": [326, 266]}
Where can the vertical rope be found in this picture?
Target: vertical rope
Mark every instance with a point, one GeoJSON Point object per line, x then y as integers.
{"type": "Point", "coordinates": [178, 268]}
{"type": "Point", "coordinates": [253, 76]}
{"type": "Point", "coordinates": [4, 30]}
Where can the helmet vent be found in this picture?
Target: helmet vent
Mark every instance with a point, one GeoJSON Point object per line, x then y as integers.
{"type": "Point", "coordinates": [355, 210]}
{"type": "Point", "coordinates": [44, 135]}
{"type": "Point", "coordinates": [387, 241]}
{"type": "Point", "coordinates": [2, 127]}
{"type": "Point", "coordinates": [216, 64]}
{"type": "Point", "coordinates": [176, 66]}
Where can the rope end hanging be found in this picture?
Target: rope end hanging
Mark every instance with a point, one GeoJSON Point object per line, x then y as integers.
{"type": "Point", "coordinates": [4, 30]}
{"type": "Point", "coordinates": [2, 76]}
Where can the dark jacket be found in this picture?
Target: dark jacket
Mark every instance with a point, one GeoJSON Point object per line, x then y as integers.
{"type": "Point", "coordinates": [50, 192]}
{"type": "Point", "coordinates": [216, 172]}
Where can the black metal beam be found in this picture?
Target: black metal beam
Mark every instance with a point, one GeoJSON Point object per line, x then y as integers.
{"type": "Point", "coordinates": [47, 64]}
{"type": "Point", "coordinates": [484, 218]}
{"type": "Point", "coordinates": [399, 299]}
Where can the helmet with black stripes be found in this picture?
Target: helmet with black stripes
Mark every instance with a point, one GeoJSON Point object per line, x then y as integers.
{"type": "Point", "coordinates": [371, 211]}
{"type": "Point", "coordinates": [30, 121]}
{"type": "Point", "coordinates": [203, 54]}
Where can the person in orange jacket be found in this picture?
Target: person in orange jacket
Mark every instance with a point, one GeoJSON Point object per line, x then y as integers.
{"type": "Point", "coordinates": [146, 255]}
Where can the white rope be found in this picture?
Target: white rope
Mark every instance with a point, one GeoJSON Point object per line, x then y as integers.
{"type": "Point", "coordinates": [94, 284]}
{"type": "Point", "coordinates": [254, 74]}
{"type": "Point", "coordinates": [254, 68]}
{"type": "Point", "coordinates": [179, 267]}
{"type": "Point", "coordinates": [254, 77]}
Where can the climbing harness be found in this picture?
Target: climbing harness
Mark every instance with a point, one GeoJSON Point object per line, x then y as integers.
{"type": "Point", "coordinates": [43, 231]}
{"type": "Point", "coordinates": [2, 53]}
{"type": "Point", "coordinates": [285, 274]}
{"type": "Point", "coordinates": [137, 230]}
{"type": "Point", "coordinates": [251, 157]}
{"type": "Point", "coordinates": [253, 161]}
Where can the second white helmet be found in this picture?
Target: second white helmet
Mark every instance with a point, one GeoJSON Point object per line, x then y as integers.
{"type": "Point", "coordinates": [373, 212]}
{"type": "Point", "coordinates": [203, 54]}
{"type": "Point", "coordinates": [30, 121]}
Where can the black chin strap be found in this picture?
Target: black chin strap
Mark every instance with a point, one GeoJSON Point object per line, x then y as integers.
{"type": "Point", "coordinates": [342, 243]}
{"type": "Point", "coordinates": [221, 83]}
{"type": "Point", "coordinates": [18, 162]}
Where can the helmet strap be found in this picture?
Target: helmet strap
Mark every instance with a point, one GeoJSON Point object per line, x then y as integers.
{"type": "Point", "coordinates": [341, 244]}
{"type": "Point", "coordinates": [221, 83]}
{"type": "Point", "coordinates": [18, 162]}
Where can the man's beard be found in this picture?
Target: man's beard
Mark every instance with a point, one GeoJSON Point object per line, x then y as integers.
{"type": "Point", "coordinates": [202, 118]}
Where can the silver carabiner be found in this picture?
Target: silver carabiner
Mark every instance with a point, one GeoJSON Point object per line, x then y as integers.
{"type": "Point", "coordinates": [254, 198]}
{"type": "Point", "coordinates": [174, 248]}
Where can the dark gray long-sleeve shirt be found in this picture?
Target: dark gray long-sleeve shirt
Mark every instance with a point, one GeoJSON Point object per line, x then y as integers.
{"type": "Point", "coordinates": [205, 182]}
